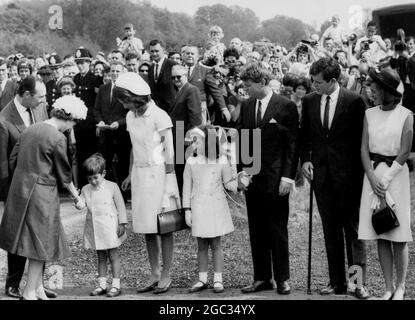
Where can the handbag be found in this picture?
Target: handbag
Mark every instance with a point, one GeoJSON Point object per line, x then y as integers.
{"type": "Point", "coordinates": [384, 220]}
{"type": "Point", "coordinates": [171, 221]}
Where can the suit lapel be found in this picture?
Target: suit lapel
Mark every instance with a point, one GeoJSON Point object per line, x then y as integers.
{"type": "Point", "coordinates": [192, 75]}
{"type": "Point", "coordinates": [178, 95]}
{"type": "Point", "coordinates": [162, 69]}
{"type": "Point", "coordinates": [270, 111]}
{"type": "Point", "coordinates": [16, 119]}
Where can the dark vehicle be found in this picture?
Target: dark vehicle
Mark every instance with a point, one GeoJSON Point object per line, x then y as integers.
{"type": "Point", "coordinates": [390, 19]}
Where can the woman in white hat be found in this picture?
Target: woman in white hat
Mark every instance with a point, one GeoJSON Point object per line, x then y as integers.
{"type": "Point", "coordinates": [152, 159]}
{"type": "Point", "coordinates": [31, 225]}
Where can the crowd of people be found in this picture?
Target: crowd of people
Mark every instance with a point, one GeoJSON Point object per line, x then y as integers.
{"type": "Point", "coordinates": [335, 111]}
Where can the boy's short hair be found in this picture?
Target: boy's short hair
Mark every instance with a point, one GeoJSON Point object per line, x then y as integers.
{"type": "Point", "coordinates": [129, 26]}
{"type": "Point", "coordinates": [95, 164]}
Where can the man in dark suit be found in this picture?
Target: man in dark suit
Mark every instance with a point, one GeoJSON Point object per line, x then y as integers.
{"type": "Point", "coordinates": [409, 94]}
{"type": "Point", "coordinates": [52, 90]}
{"type": "Point", "coordinates": [87, 86]}
{"type": "Point", "coordinates": [7, 88]}
{"type": "Point", "coordinates": [186, 113]}
{"type": "Point", "coordinates": [200, 77]}
{"type": "Point", "coordinates": [331, 131]}
{"type": "Point", "coordinates": [113, 138]}
{"type": "Point", "coordinates": [267, 196]}
{"type": "Point", "coordinates": [159, 76]}
{"type": "Point", "coordinates": [27, 108]}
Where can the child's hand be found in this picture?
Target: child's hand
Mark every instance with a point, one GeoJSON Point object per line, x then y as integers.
{"type": "Point", "coordinates": [188, 217]}
{"type": "Point", "coordinates": [126, 184]}
{"type": "Point", "coordinates": [120, 230]}
{"type": "Point", "coordinates": [244, 180]}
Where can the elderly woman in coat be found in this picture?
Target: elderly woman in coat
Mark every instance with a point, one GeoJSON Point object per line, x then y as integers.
{"type": "Point", "coordinates": [31, 225]}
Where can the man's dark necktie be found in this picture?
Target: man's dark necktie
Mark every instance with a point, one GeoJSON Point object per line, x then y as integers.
{"type": "Point", "coordinates": [156, 75]}
{"type": "Point", "coordinates": [326, 115]}
{"type": "Point", "coordinates": [259, 114]}
{"type": "Point", "coordinates": [32, 120]}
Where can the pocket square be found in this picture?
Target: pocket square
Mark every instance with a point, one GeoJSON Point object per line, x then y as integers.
{"type": "Point", "coordinates": [273, 121]}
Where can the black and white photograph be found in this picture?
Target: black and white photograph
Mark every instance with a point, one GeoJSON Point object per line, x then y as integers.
{"type": "Point", "coordinates": [207, 156]}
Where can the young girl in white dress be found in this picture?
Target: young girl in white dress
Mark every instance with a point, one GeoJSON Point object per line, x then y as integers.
{"type": "Point", "coordinates": [105, 222]}
{"type": "Point", "coordinates": [204, 200]}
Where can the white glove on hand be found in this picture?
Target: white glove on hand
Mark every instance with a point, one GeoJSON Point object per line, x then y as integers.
{"type": "Point", "coordinates": [188, 217]}
{"type": "Point", "coordinates": [390, 174]}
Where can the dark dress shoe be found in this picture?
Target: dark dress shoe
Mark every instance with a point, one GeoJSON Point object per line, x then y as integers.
{"type": "Point", "coordinates": [114, 292]}
{"type": "Point", "coordinates": [257, 286]}
{"type": "Point", "coordinates": [159, 290]}
{"type": "Point", "coordinates": [13, 292]}
{"type": "Point", "coordinates": [151, 287]}
{"type": "Point", "coordinates": [50, 294]}
{"type": "Point", "coordinates": [283, 288]}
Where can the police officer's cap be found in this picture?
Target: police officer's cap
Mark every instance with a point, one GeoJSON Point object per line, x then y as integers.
{"type": "Point", "coordinates": [83, 54]}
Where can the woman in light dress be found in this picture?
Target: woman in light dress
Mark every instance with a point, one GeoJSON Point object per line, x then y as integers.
{"type": "Point", "coordinates": [151, 165]}
{"type": "Point", "coordinates": [386, 144]}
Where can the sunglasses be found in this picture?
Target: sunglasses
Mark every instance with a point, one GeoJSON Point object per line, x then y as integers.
{"type": "Point", "coordinates": [143, 71]}
{"type": "Point", "coordinates": [177, 77]}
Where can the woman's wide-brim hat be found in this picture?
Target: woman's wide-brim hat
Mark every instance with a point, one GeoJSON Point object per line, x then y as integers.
{"type": "Point", "coordinates": [388, 79]}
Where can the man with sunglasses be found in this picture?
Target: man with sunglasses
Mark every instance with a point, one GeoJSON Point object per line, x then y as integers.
{"type": "Point", "coordinates": [186, 113]}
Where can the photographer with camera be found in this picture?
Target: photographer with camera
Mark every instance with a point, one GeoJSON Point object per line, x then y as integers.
{"type": "Point", "coordinates": [305, 55]}
{"type": "Point", "coordinates": [372, 43]}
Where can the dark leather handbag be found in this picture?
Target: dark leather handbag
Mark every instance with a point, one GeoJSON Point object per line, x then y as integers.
{"type": "Point", "coordinates": [384, 220]}
{"type": "Point", "coordinates": [171, 221]}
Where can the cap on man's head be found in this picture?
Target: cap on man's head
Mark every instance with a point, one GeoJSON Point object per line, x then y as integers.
{"type": "Point", "coordinates": [83, 54]}
{"type": "Point", "coordinates": [132, 82]}
{"type": "Point", "coordinates": [128, 26]}
{"type": "Point", "coordinates": [54, 61]}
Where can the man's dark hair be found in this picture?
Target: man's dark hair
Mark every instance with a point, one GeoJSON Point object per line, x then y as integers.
{"type": "Point", "coordinates": [371, 24]}
{"type": "Point", "coordinates": [118, 51]}
{"type": "Point", "coordinates": [256, 72]}
{"type": "Point", "coordinates": [131, 55]}
{"type": "Point", "coordinates": [28, 84]}
{"type": "Point", "coordinates": [328, 67]}
{"type": "Point", "coordinates": [231, 52]}
{"type": "Point", "coordinates": [289, 79]}
{"type": "Point", "coordinates": [172, 53]}
{"type": "Point", "coordinates": [68, 56]}
{"type": "Point", "coordinates": [156, 42]}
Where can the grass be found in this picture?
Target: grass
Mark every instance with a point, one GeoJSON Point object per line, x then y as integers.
{"type": "Point", "coordinates": [80, 269]}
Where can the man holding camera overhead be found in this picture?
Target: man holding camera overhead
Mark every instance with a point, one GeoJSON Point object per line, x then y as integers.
{"type": "Point", "coordinates": [371, 42]}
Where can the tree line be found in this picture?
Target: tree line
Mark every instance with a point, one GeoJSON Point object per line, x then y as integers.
{"type": "Point", "coordinates": [96, 24]}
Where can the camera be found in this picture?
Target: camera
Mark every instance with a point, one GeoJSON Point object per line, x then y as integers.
{"type": "Point", "coordinates": [366, 44]}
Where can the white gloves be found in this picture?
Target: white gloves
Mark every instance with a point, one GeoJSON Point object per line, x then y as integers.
{"type": "Point", "coordinates": [390, 174]}
{"type": "Point", "coordinates": [188, 217]}
{"type": "Point", "coordinates": [79, 203]}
